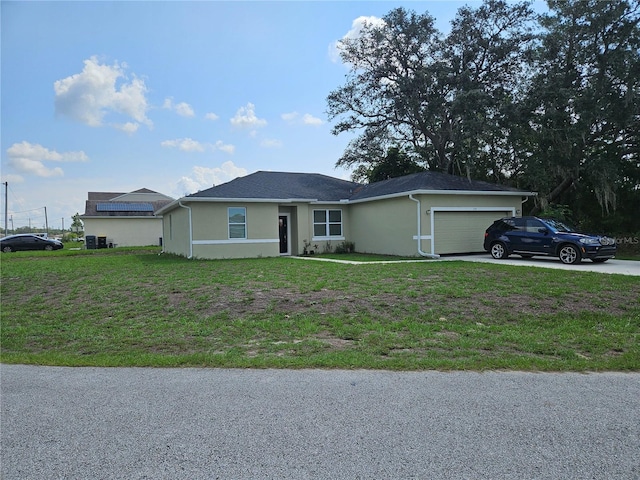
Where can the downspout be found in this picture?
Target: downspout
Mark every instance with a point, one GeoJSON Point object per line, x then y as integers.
{"type": "Point", "coordinates": [424, 254]}
{"type": "Point", "coordinates": [190, 230]}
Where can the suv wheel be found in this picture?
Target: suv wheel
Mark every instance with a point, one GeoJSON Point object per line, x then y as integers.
{"type": "Point", "coordinates": [498, 251]}
{"type": "Point", "coordinates": [569, 254]}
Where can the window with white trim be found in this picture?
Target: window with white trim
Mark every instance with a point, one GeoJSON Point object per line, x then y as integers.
{"type": "Point", "coordinates": [327, 223]}
{"type": "Point", "coordinates": [237, 222]}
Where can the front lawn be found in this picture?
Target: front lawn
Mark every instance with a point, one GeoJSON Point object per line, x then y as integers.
{"type": "Point", "coordinates": [137, 308]}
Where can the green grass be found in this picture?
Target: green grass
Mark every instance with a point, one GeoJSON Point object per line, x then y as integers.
{"type": "Point", "coordinates": [133, 307]}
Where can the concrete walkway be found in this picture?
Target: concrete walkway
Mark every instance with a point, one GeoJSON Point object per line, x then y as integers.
{"type": "Point", "coordinates": [128, 423]}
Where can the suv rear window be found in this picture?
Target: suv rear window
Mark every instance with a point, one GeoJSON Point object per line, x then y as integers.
{"type": "Point", "coordinates": [508, 224]}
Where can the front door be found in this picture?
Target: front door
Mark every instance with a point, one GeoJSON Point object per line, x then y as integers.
{"type": "Point", "coordinates": [284, 234]}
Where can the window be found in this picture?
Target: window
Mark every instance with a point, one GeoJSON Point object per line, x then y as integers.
{"type": "Point", "coordinates": [534, 225]}
{"type": "Point", "coordinates": [519, 223]}
{"type": "Point", "coordinates": [327, 223]}
{"type": "Point", "coordinates": [237, 222]}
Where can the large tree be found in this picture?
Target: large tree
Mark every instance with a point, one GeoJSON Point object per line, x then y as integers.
{"type": "Point", "coordinates": [396, 163]}
{"type": "Point", "coordinates": [583, 108]}
{"type": "Point", "coordinates": [444, 99]}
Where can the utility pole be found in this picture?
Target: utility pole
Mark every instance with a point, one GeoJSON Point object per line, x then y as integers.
{"type": "Point", "coordinates": [6, 210]}
{"type": "Point", "coordinates": [46, 221]}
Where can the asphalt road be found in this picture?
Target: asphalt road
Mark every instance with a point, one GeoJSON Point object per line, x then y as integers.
{"type": "Point", "coordinates": [93, 423]}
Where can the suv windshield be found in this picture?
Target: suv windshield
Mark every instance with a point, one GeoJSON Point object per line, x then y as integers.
{"type": "Point", "coordinates": [558, 226]}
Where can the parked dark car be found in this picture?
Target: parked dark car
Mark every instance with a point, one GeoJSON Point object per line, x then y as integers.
{"type": "Point", "coordinates": [529, 236]}
{"type": "Point", "coordinates": [27, 241]}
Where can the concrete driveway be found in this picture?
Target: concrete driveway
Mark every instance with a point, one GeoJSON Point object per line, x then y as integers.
{"type": "Point", "coordinates": [622, 267]}
{"type": "Point", "coordinates": [134, 423]}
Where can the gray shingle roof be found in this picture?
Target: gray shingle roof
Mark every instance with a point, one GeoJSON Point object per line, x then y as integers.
{"type": "Point", "coordinates": [312, 186]}
{"type": "Point", "coordinates": [425, 181]}
{"type": "Point", "coordinates": [282, 185]}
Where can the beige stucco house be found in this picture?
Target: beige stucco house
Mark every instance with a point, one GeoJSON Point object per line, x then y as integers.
{"type": "Point", "coordinates": [276, 213]}
{"type": "Point", "coordinates": [124, 219]}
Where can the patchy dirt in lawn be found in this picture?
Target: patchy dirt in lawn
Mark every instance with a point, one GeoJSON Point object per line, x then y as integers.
{"type": "Point", "coordinates": [392, 306]}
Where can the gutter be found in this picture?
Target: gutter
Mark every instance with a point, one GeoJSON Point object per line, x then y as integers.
{"type": "Point", "coordinates": [190, 230]}
{"type": "Point", "coordinates": [424, 254]}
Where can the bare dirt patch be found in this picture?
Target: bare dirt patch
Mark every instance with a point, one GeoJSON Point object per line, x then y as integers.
{"type": "Point", "coordinates": [389, 305]}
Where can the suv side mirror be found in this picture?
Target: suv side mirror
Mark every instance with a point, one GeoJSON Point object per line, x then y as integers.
{"type": "Point", "coordinates": [543, 230]}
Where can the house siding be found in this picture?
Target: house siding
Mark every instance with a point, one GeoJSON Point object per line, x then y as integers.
{"type": "Point", "coordinates": [384, 226]}
{"type": "Point", "coordinates": [389, 226]}
{"type": "Point", "coordinates": [210, 225]}
{"type": "Point", "coordinates": [303, 226]}
{"type": "Point", "coordinates": [125, 232]}
{"type": "Point", "coordinates": [176, 232]}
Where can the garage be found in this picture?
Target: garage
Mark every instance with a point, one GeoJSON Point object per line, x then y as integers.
{"type": "Point", "coordinates": [459, 230]}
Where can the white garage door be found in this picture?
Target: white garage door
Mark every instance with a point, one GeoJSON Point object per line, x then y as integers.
{"type": "Point", "coordinates": [462, 232]}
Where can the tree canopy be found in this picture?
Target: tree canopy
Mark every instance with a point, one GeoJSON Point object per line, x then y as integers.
{"type": "Point", "coordinates": [549, 103]}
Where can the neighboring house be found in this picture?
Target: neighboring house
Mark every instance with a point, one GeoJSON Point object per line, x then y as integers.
{"type": "Point", "coordinates": [125, 219]}
{"type": "Point", "coordinates": [274, 213]}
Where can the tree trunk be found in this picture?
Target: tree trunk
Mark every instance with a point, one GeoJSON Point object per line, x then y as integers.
{"type": "Point", "coordinates": [555, 193]}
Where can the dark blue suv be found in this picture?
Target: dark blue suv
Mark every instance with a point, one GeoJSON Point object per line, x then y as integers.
{"type": "Point", "coordinates": [529, 236]}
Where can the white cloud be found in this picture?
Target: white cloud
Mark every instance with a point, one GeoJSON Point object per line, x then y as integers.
{"type": "Point", "coordinates": [289, 117]}
{"type": "Point", "coordinates": [211, 116]}
{"type": "Point", "coordinates": [246, 118]}
{"type": "Point", "coordinates": [271, 143]}
{"type": "Point", "coordinates": [89, 96]}
{"type": "Point", "coordinates": [29, 158]}
{"type": "Point", "coordinates": [190, 145]}
{"type": "Point", "coordinates": [186, 186]}
{"type": "Point", "coordinates": [128, 127]}
{"type": "Point", "coordinates": [204, 177]}
{"type": "Point", "coordinates": [294, 118]}
{"type": "Point", "coordinates": [183, 108]}
{"type": "Point", "coordinates": [10, 178]}
{"type": "Point", "coordinates": [228, 148]}
{"type": "Point", "coordinates": [356, 28]}
{"type": "Point", "coordinates": [184, 144]}
{"type": "Point", "coordinates": [309, 119]}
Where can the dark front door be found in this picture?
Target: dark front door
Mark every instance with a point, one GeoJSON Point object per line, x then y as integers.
{"type": "Point", "coordinates": [284, 240]}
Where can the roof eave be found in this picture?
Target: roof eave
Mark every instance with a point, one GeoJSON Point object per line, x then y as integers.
{"type": "Point", "coordinates": [185, 200]}
{"type": "Point", "coordinates": [447, 192]}
{"type": "Point", "coordinates": [248, 199]}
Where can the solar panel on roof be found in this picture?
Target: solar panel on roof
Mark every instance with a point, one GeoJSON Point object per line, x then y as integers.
{"type": "Point", "coordinates": [124, 207]}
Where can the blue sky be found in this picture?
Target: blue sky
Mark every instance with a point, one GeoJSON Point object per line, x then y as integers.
{"type": "Point", "coordinates": [170, 96]}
